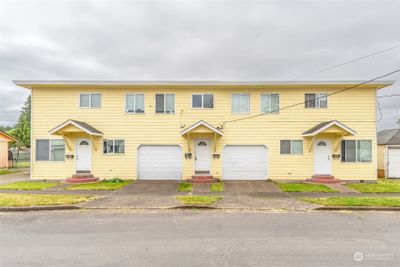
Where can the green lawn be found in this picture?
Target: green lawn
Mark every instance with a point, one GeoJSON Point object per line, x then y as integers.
{"type": "Point", "coordinates": [30, 185]}
{"type": "Point", "coordinates": [300, 187]}
{"type": "Point", "coordinates": [356, 201]}
{"type": "Point", "coordinates": [380, 187]}
{"type": "Point", "coordinates": [102, 185]}
{"type": "Point", "coordinates": [185, 187]}
{"type": "Point", "coordinates": [217, 187]}
{"type": "Point", "coordinates": [19, 200]}
{"type": "Point", "coordinates": [198, 200]}
{"type": "Point", "coordinates": [22, 164]}
{"type": "Point", "coordinates": [6, 171]}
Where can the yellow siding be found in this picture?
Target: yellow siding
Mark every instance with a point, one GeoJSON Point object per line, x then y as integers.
{"type": "Point", "coordinates": [381, 157]}
{"type": "Point", "coordinates": [53, 105]}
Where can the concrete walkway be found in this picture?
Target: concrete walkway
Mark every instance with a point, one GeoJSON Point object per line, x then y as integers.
{"type": "Point", "coordinates": [19, 176]}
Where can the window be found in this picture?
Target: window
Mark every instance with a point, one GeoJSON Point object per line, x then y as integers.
{"type": "Point", "coordinates": [202, 101]}
{"type": "Point", "coordinates": [113, 146]}
{"type": "Point", "coordinates": [50, 150]}
{"type": "Point", "coordinates": [270, 103]}
{"type": "Point", "coordinates": [165, 103]}
{"type": "Point", "coordinates": [134, 103]}
{"type": "Point", "coordinates": [356, 151]}
{"type": "Point", "coordinates": [316, 100]}
{"type": "Point", "coordinates": [241, 103]}
{"type": "Point", "coordinates": [291, 147]}
{"type": "Point", "coordinates": [90, 100]}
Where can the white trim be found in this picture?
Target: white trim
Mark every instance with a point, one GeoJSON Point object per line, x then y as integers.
{"type": "Point", "coordinates": [113, 139]}
{"type": "Point", "coordinates": [328, 142]}
{"type": "Point", "coordinates": [165, 103]}
{"type": "Point", "coordinates": [90, 100]}
{"type": "Point", "coordinates": [202, 100]}
{"type": "Point", "coordinates": [209, 145]}
{"type": "Point", "coordinates": [261, 103]}
{"type": "Point", "coordinates": [241, 104]}
{"type": "Point", "coordinates": [335, 122]}
{"type": "Point", "coordinates": [144, 101]}
{"type": "Point", "coordinates": [203, 123]}
{"type": "Point", "coordinates": [76, 125]}
{"type": "Point", "coordinates": [50, 147]}
{"type": "Point", "coordinates": [30, 83]}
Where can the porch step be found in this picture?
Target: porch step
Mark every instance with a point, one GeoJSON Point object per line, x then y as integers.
{"type": "Point", "coordinates": [202, 179]}
{"type": "Point", "coordinates": [323, 179]}
{"type": "Point", "coordinates": [82, 178]}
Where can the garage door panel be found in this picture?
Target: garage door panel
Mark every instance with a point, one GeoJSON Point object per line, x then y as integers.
{"type": "Point", "coordinates": [245, 162]}
{"type": "Point", "coordinates": [394, 162]}
{"type": "Point", "coordinates": [159, 162]}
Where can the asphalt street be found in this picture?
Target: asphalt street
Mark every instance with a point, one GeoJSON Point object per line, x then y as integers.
{"type": "Point", "coordinates": [199, 238]}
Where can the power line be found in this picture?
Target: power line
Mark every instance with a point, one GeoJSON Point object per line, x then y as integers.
{"type": "Point", "coordinates": [345, 63]}
{"type": "Point", "coordinates": [303, 102]}
{"type": "Point", "coordinates": [380, 111]}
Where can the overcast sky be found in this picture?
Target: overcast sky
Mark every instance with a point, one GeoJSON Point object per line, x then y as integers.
{"type": "Point", "coordinates": [196, 40]}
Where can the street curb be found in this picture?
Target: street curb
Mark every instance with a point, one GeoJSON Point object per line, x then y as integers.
{"type": "Point", "coordinates": [39, 208]}
{"type": "Point", "coordinates": [359, 208]}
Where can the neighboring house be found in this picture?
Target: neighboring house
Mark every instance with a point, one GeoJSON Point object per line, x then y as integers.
{"type": "Point", "coordinates": [389, 153]}
{"type": "Point", "coordinates": [4, 139]}
{"type": "Point", "coordinates": [173, 130]}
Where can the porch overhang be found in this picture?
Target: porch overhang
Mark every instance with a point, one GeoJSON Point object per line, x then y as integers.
{"type": "Point", "coordinates": [74, 126]}
{"type": "Point", "coordinates": [202, 127]}
{"type": "Point", "coordinates": [330, 127]}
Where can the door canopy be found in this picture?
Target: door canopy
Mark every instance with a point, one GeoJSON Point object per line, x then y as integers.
{"type": "Point", "coordinates": [202, 127]}
{"type": "Point", "coordinates": [333, 127]}
{"type": "Point", "coordinates": [74, 126]}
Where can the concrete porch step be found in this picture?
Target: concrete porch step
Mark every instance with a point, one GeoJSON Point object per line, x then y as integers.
{"type": "Point", "coordinates": [200, 178]}
{"type": "Point", "coordinates": [82, 177]}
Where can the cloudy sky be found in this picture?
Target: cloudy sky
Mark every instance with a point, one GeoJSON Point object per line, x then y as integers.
{"type": "Point", "coordinates": [196, 40]}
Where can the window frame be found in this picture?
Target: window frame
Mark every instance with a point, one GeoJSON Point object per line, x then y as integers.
{"type": "Point", "coordinates": [291, 147]}
{"type": "Point", "coordinates": [113, 146]}
{"type": "Point", "coordinates": [202, 100]}
{"type": "Point", "coordinates": [241, 104]}
{"type": "Point", "coordinates": [317, 102]}
{"type": "Point", "coordinates": [165, 104]}
{"type": "Point", "coordinates": [270, 95]}
{"type": "Point", "coordinates": [356, 148]}
{"type": "Point", "coordinates": [134, 102]}
{"type": "Point", "coordinates": [50, 148]}
{"type": "Point", "coordinates": [90, 100]}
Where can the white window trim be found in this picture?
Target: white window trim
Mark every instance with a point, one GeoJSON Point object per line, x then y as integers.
{"type": "Point", "coordinates": [356, 150]}
{"type": "Point", "coordinates": [90, 100]}
{"type": "Point", "coordinates": [241, 104]}
{"type": "Point", "coordinates": [165, 104]}
{"type": "Point", "coordinates": [113, 143]}
{"type": "Point", "coordinates": [270, 103]}
{"type": "Point", "coordinates": [317, 100]}
{"type": "Point", "coordinates": [291, 149]}
{"type": "Point", "coordinates": [202, 100]}
{"type": "Point", "coordinates": [134, 103]}
{"type": "Point", "coordinates": [49, 160]}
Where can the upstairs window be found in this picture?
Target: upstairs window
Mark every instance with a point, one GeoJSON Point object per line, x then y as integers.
{"type": "Point", "coordinates": [134, 103]}
{"type": "Point", "coordinates": [291, 147]}
{"type": "Point", "coordinates": [202, 101]}
{"type": "Point", "coordinates": [50, 150]}
{"type": "Point", "coordinates": [241, 103]}
{"type": "Point", "coordinates": [270, 103]}
{"type": "Point", "coordinates": [356, 151]}
{"type": "Point", "coordinates": [316, 100]}
{"type": "Point", "coordinates": [113, 146]}
{"type": "Point", "coordinates": [165, 103]}
{"type": "Point", "coordinates": [90, 100]}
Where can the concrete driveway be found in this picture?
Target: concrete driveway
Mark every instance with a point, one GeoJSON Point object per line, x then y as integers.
{"type": "Point", "coordinates": [20, 176]}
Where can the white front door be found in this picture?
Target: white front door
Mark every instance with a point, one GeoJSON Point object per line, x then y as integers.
{"type": "Point", "coordinates": [202, 158]}
{"type": "Point", "coordinates": [322, 156]}
{"type": "Point", "coordinates": [83, 154]}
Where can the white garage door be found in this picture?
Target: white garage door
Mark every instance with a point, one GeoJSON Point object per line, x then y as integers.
{"type": "Point", "coordinates": [394, 162]}
{"type": "Point", "coordinates": [159, 162]}
{"type": "Point", "coordinates": [245, 162]}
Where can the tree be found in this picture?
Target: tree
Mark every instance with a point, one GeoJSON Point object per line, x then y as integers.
{"type": "Point", "coordinates": [22, 130]}
{"type": "Point", "coordinates": [5, 128]}
{"type": "Point", "coordinates": [398, 122]}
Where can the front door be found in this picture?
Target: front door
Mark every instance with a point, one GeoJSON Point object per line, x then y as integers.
{"type": "Point", "coordinates": [83, 155]}
{"type": "Point", "coordinates": [322, 156]}
{"type": "Point", "coordinates": [202, 158]}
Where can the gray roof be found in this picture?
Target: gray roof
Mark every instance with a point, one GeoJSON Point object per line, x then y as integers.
{"type": "Point", "coordinates": [317, 127]}
{"type": "Point", "coordinates": [87, 127]}
{"type": "Point", "coordinates": [389, 137]}
{"type": "Point", "coordinates": [320, 127]}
